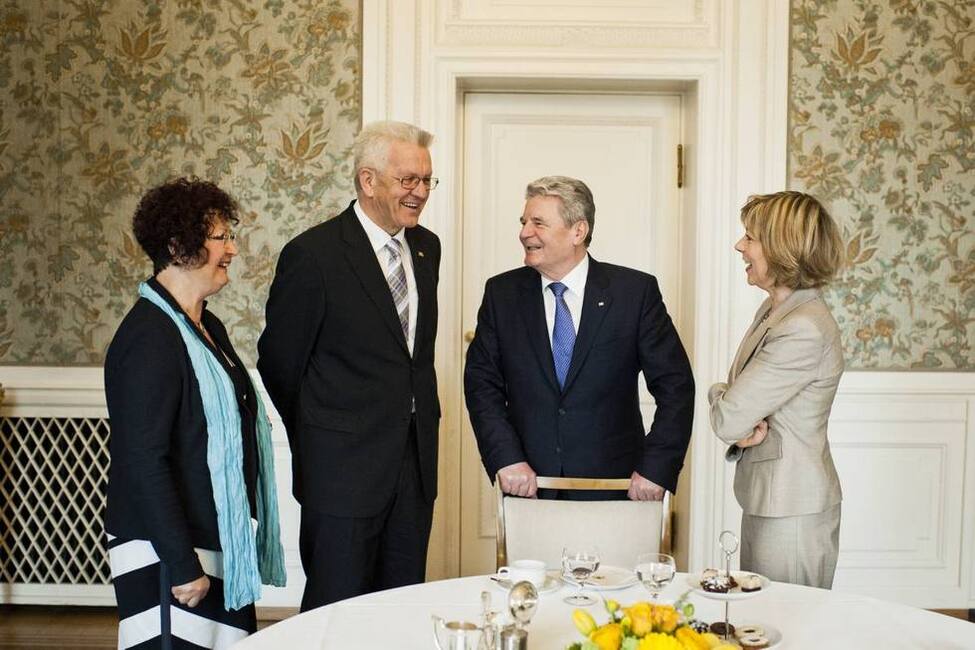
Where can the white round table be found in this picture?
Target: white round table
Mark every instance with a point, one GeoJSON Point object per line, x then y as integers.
{"type": "Point", "coordinates": [806, 618]}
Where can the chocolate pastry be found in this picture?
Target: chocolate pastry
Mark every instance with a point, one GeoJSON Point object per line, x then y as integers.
{"type": "Point", "coordinates": [718, 628]}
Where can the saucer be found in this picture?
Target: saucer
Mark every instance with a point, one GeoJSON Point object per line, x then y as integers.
{"type": "Point", "coordinates": [607, 578]}
{"type": "Point", "coordinates": [552, 583]}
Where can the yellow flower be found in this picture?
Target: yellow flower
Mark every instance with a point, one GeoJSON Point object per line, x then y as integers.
{"type": "Point", "coordinates": [711, 639]}
{"type": "Point", "coordinates": [655, 641]}
{"type": "Point", "coordinates": [611, 605]}
{"type": "Point", "coordinates": [640, 615]}
{"type": "Point", "coordinates": [609, 637]}
{"type": "Point", "coordinates": [690, 639]}
{"type": "Point", "coordinates": [665, 618]}
{"type": "Point", "coordinates": [584, 621]}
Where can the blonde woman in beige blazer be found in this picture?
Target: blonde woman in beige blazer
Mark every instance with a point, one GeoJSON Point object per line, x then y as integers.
{"type": "Point", "coordinates": [773, 410]}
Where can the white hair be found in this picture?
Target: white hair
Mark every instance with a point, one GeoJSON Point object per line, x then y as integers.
{"type": "Point", "coordinates": [371, 146]}
{"type": "Point", "coordinates": [575, 196]}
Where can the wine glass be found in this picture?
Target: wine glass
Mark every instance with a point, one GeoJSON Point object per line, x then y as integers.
{"type": "Point", "coordinates": [578, 564]}
{"type": "Point", "coordinates": [655, 571]}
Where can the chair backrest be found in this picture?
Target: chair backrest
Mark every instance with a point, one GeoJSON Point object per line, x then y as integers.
{"type": "Point", "coordinates": [539, 528]}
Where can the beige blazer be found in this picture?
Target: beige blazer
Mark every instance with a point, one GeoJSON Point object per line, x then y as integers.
{"type": "Point", "coordinates": [786, 371]}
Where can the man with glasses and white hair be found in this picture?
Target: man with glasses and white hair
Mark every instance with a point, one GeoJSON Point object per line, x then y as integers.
{"type": "Point", "coordinates": [347, 358]}
{"type": "Point", "coordinates": [552, 372]}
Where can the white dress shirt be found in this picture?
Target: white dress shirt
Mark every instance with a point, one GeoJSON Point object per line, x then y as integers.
{"type": "Point", "coordinates": [379, 238]}
{"type": "Point", "coordinates": [575, 283]}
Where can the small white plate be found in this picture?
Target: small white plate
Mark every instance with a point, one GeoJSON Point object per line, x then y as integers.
{"type": "Point", "coordinates": [772, 634]}
{"type": "Point", "coordinates": [552, 583]}
{"type": "Point", "coordinates": [694, 581]}
{"type": "Point", "coordinates": [607, 578]}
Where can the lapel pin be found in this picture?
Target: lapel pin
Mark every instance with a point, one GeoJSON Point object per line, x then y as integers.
{"type": "Point", "coordinates": [600, 303]}
{"type": "Point", "coordinates": [419, 253]}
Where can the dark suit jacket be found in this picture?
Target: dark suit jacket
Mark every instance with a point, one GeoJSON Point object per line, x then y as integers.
{"type": "Point", "coordinates": [337, 367]}
{"type": "Point", "coordinates": [159, 483]}
{"type": "Point", "coordinates": [593, 427]}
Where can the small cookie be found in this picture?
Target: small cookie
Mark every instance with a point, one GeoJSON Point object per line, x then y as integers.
{"type": "Point", "coordinates": [753, 641]}
{"type": "Point", "coordinates": [748, 630]}
{"type": "Point", "coordinates": [718, 628]}
{"type": "Point", "coordinates": [708, 573]}
{"type": "Point", "coordinates": [751, 582]}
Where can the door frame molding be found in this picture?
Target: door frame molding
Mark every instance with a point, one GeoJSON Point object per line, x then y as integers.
{"type": "Point", "coordinates": [736, 83]}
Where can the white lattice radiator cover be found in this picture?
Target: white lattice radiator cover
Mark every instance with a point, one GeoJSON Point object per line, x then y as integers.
{"type": "Point", "coordinates": [53, 474]}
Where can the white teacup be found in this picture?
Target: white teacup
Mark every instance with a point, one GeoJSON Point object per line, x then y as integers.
{"type": "Point", "coordinates": [531, 570]}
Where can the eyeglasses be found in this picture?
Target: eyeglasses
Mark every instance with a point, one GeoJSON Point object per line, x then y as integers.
{"type": "Point", "coordinates": [411, 182]}
{"type": "Point", "coordinates": [227, 236]}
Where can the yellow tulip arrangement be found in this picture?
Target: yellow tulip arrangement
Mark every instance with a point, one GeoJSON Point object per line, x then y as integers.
{"type": "Point", "coordinates": [642, 626]}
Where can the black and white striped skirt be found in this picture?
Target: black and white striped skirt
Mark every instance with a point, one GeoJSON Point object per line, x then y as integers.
{"type": "Point", "coordinates": [149, 615]}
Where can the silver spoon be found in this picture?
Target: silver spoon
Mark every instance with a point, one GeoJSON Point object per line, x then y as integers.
{"type": "Point", "coordinates": [523, 601]}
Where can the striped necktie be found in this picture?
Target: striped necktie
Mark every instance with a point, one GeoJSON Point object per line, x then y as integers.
{"type": "Point", "coordinates": [396, 278]}
{"type": "Point", "coordinates": [563, 334]}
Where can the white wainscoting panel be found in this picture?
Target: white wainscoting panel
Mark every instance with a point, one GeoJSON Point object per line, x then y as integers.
{"type": "Point", "coordinates": [902, 445]}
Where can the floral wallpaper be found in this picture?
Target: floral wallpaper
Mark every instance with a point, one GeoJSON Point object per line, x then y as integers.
{"type": "Point", "coordinates": [102, 99]}
{"type": "Point", "coordinates": [882, 129]}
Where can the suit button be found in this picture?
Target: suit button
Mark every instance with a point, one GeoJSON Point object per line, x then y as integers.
{"type": "Point", "coordinates": [558, 450]}
{"type": "Point", "coordinates": [561, 411]}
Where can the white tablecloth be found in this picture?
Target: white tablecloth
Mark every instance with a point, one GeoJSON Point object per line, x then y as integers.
{"type": "Point", "coordinates": [807, 618]}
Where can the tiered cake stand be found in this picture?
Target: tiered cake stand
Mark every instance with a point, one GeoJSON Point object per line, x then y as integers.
{"type": "Point", "coordinates": [729, 546]}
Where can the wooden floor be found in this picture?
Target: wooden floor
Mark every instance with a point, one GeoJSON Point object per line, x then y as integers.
{"type": "Point", "coordinates": [30, 627]}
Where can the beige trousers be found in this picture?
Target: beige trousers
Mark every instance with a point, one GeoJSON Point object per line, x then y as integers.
{"type": "Point", "coordinates": [800, 550]}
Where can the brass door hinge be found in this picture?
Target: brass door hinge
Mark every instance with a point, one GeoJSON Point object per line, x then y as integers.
{"type": "Point", "coordinates": [680, 165]}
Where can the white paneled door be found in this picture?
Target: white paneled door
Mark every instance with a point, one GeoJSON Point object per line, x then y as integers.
{"type": "Point", "coordinates": [624, 146]}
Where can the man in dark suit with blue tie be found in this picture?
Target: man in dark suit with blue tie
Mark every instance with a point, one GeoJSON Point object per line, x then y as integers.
{"type": "Point", "coordinates": [347, 358]}
{"type": "Point", "coordinates": [551, 375]}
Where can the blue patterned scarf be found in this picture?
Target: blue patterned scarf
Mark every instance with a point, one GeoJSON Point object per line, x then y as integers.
{"type": "Point", "coordinates": [246, 562]}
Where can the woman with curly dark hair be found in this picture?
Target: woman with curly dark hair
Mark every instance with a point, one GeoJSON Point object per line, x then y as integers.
{"type": "Point", "coordinates": [192, 465]}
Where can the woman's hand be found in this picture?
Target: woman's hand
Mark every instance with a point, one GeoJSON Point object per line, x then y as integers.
{"type": "Point", "coordinates": [192, 593]}
{"type": "Point", "coordinates": [756, 437]}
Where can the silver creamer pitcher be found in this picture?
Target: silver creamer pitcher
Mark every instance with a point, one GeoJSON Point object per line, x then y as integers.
{"type": "Point", "coordinates": [456, 635]}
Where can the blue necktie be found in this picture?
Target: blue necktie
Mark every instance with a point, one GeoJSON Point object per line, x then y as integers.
{"type": "Point", "coordinates": [563, 334]}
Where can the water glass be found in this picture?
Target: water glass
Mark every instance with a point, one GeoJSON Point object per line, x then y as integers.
{"type": "Point", "coordinates": [578, 564]}
{"type": "Point", "coordinates": [655, 571]}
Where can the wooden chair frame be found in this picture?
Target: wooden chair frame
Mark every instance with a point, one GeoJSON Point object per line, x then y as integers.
{"type": "Point", "coordinates": [567, 483]}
